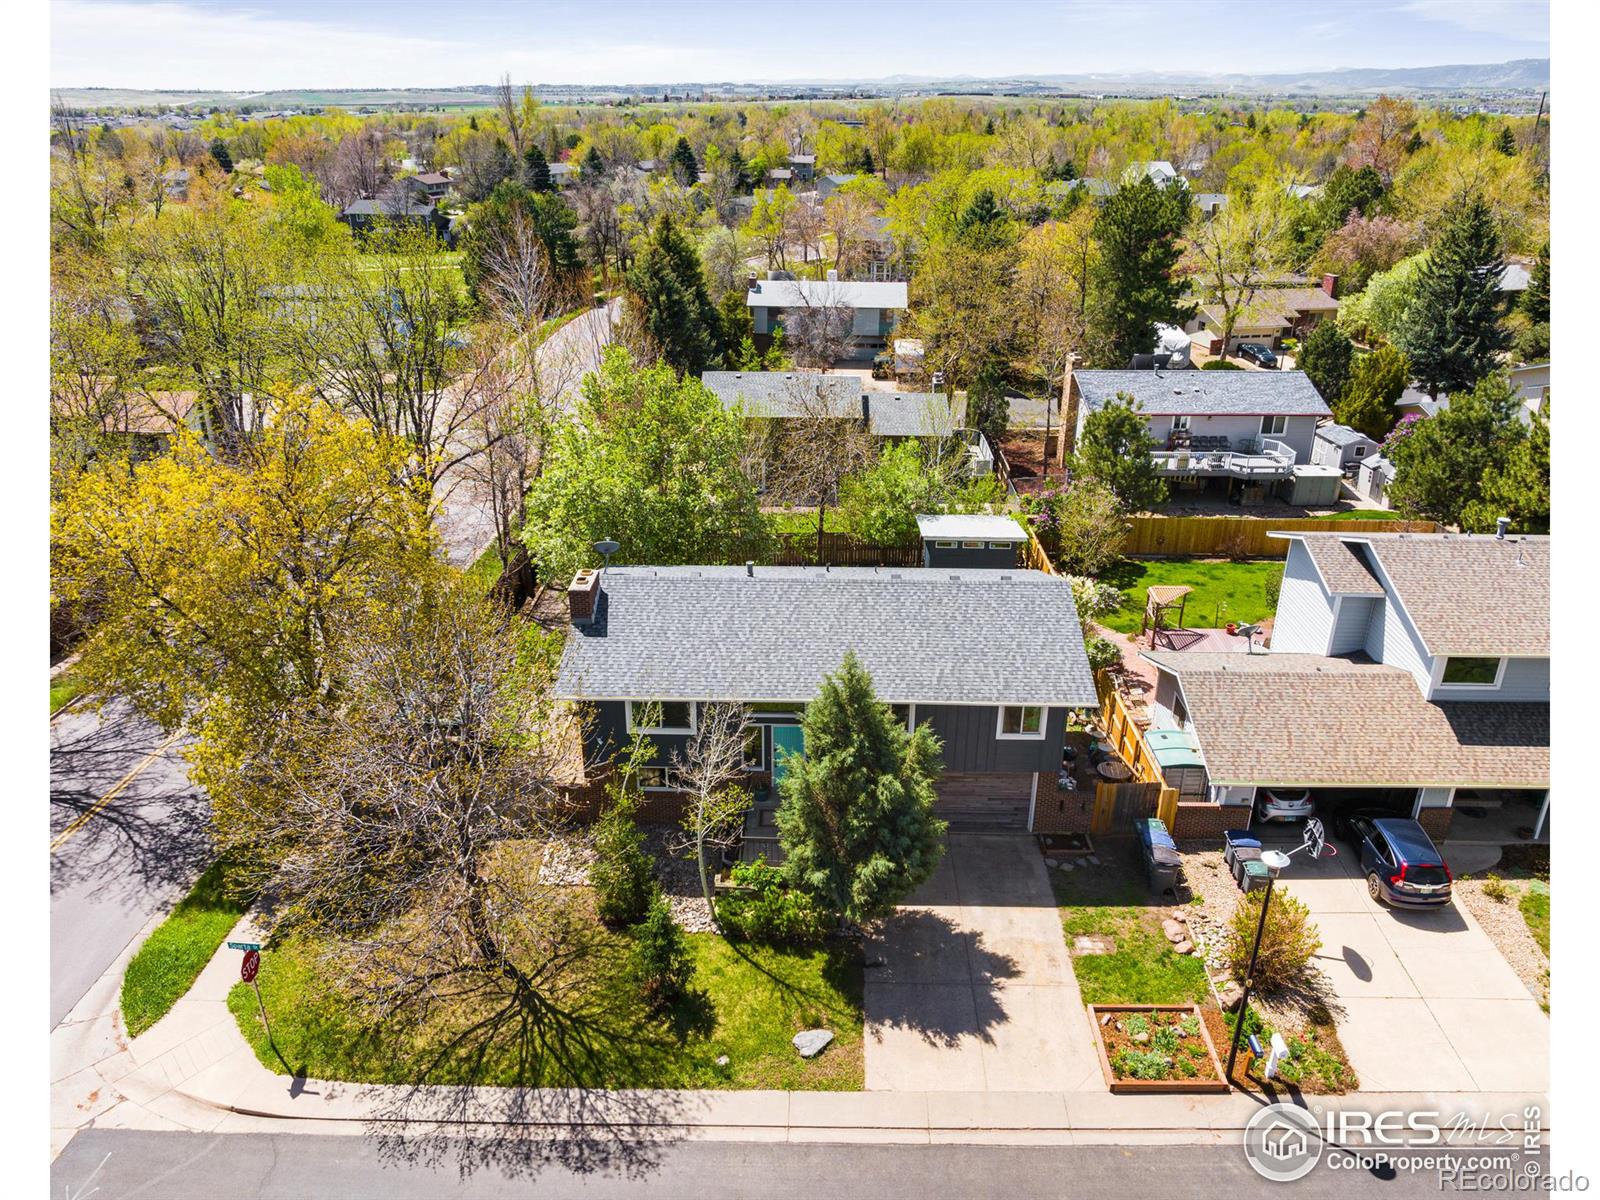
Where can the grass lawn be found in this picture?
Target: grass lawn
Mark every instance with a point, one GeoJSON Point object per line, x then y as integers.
{"type": "Point", "coordinates": [483, 573]}
{"type": "Point", "coordinates": [166, 965]}
{"type": "Point", "coordinates": [64, 689]}
{"type": "Point", "coordinates": [1362, 514]}
{"type": "Point", "coordinates": [1112, 900]}
{"type": "Point", "coordinates": [1535, 906]}
{"type": "Point", "coordinates": [1224, 590]}
{"type": "Point", "coordinates": [752, 1000]}
{"type": "Point", "coordinates": [804, 520]}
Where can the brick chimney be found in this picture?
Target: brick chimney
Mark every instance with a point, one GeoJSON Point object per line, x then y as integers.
{"type": "Point", "coordinates": [583, 597]}
{"type": "Point", "coordinates": [1330, 284]}
{"type": "Point", "coordinates": [751, 282]}
{"type": "Point", "coordinates": [866, 409]}
{"type": "Point", "coordinates": [1071, 397]}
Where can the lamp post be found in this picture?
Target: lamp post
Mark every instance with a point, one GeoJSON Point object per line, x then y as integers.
{"type": "Point", "coordinates": [1274, 861]}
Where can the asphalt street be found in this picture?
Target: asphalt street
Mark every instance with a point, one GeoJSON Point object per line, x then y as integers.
{"type": "Point", "coordinates": [112, 1164]}
{"type": "Point", "coordinates": [128, 837]}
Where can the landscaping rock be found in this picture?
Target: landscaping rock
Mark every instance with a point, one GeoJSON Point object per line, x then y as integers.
{"type": "Point", "coordinates": [1094, 860]}
{"type": "Point", "coordinates": [1174, 931]}
{"type": "Point", "coordinates": [812, 1042]}
{"type": "Point", "coordinates": [1141, 1038]}
{"type": "Point", "coordinates": [722, 1060]}
{"type": "Point", "coordinates": [1230, 994]}
{"type": "Point", "coordinates": [1183, 947]}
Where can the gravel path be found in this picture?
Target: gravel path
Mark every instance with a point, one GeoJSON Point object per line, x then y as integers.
{"type": "Point", "coordinates": [1503, 921]}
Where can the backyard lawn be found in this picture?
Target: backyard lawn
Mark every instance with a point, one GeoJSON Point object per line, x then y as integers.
{"type": "Point", "coordinates": [751, 1001]}
{"type": "Point", "coordinates": [1224, 590]}
{"type": "Point", "coordinates": [804, 520]}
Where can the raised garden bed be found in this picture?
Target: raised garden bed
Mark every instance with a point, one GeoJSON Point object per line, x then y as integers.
{"type": "Point", "coordinates": [1147, 1048]}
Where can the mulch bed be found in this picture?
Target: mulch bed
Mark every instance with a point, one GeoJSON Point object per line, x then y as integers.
{"type": "Point", "coordinates": [1157, 1048]}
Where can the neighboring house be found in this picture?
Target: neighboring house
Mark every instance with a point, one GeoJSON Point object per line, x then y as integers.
{"type": "Point", "coordinates": [777, 175]}
{"type": "Point", "coordinates": [1408, 672]}
{"type": "Point", "coordinates": [803, 166]}
{"type": "Point", "coordinates": [1531, 381]}
{"type": "Point", "coordinates": [1340, 446]}
{"type": "Point", "coordinates": [402, 205]}
{"type": "Point", "coordinates": [1210, 203]}
{"type": "Point", "coordinates": [562, 174]}
{"type": "Point", "coordinates": [1161, 172]}
{"type": "Point", "coordinates": [1514, 278]}
{"type": "Point", "coordinates": [1239, 426]}
{"type": "Point", "coordinates": [958, 651]}
{"type": "Point", "coordinates": [1303, 191]}
{"type": "Point", "coordinates": [874, 305]}
{"type": "Point", "coordinates": [1095, 189]}
{"type": "Point", "coordinates": [827, 185]}
{"type": "Point", "coordinates": [971, 540]}
{"type": "Point", "coordinates": [435, 185]}
{"type": "Point", "coordinates": [1272, 315]}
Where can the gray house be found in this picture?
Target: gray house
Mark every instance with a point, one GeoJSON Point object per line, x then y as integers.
{"type": "Point", "coordinates": [874, 307]}
{"type": "Point", "coordinates": [1408, 672]}
{"type": "Point", "coordinates": [1340, 446]}
{"type": "Point", "coordinates": [1243, 428]}
{"type": "Point", "coordinates": [990, 660]}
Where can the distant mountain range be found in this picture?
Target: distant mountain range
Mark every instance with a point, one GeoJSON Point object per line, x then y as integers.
{"type": "Point", "coordinates": [1523, 74]}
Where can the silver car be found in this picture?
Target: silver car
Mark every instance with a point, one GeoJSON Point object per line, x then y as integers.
{"type": "Point", "coordinates": [1284, 804]}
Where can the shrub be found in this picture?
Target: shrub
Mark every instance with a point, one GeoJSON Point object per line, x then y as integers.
{"type": "Point", "coordinates": [765, 909]}
{"type": "Point", "coordinates": [1221, 364]}
{"type": "Point", "coordinates": [1273, 587]}
{"type": "Point", "coordinates": [623, 879]}
{"type": "Point", "coordinates": [1495, 888]}
{"type": "Point", "coordinates": [1140, 1064]}
{"type": "Point", "coordinates": [661, 964]}
{"type": "Point", "coordinates": [1103, 654]}
{"type": "Point", "coordinates": [1287, 943]}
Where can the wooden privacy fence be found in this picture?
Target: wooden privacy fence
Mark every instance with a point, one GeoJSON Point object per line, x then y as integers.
{"type": "Point", "coordinates": [1118, 727]}
{"type": "Point", "coordinates": [1242, 537]}
{"type": "Point", "coordinates": [840, 550]}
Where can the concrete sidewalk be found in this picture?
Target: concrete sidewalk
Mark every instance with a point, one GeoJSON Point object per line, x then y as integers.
{"type": "Point", "coordinates": [194, 1071]}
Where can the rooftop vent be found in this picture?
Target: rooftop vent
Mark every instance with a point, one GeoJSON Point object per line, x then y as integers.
{"type": "Point", "coordinates": [1502, 526]}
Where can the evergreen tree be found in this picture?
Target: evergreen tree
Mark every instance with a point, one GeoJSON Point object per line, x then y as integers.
{"type": "Point", "coordinates": [1519, 488]}
{"type": "Point", "coordinates": [1451, 331]}
{"type": "Point", "coordinates": [667, 292]}
{"type": "Point", "coordinates": [684, 167]}
{"type": "Point", "coordinates": [490, 224]}
{"type": "Point", "coordinates": [1135, 286]}
{"type": "Point", "coordinates": [1442, 467]}
{"type": "Point", "coordinates": [1532, 342]}
{"type": "Point", "coordinates": [536, 171]}
{"type": "Point", "coordinates": [737, 168]}
{"type": "Point", "coordinates": [988, 409]}
{"type": "Point", "coordinates": [856, 821]}
{"type": "Point", "coordinates": [593, 165]}
{"type": "Point", "coordinates": [868, 167]}
{"type": "Point", "coordinates": [983, 222]}
{"type": "Point", "coordinates": [1326, 359]}
{"type": "Point", "coordinates": [219, 151]}
{"type": "Point", "coordinates": [1367, 403]}
{"type": "Point", "coordinates": [662, 966]}
{"type": "Point", "coordinates": [622, 876]}
{"type": "Point", "coordinates": [1506, 143]}
{"type": "Point", "coordinates": [1115, 451]}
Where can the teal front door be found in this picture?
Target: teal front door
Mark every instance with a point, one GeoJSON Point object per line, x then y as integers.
{"type": "Point", "coordinates": [786, 740]}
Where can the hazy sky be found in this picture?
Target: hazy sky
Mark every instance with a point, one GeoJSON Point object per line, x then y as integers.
{"type": "Point", "coordinates": [429, 43]}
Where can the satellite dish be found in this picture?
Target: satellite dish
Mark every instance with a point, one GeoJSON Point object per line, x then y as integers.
{"type": "Point", "coordinates": [606, 549]}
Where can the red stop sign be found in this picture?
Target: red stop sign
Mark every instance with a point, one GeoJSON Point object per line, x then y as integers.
{"type": "Point", "coordinates": [250, 965]}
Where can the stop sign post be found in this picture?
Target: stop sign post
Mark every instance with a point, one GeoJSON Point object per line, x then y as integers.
{"type": "Point", "coordinates": [250, 965]}
{"type": "Point", "coordinates": [249, 968]}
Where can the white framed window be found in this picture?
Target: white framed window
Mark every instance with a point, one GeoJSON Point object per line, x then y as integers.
{"type": "Point", "coordinates": [1180, 423]}
{"type": "Point", "coordinates": [669, 716]}
{"type": "Point", "coordinates": [1000, 545]}
{"type": "Point", "coordinates": [1021, 721]}
{"type": "Point", "coordinates": [655, 779]}
{"type": "Point", "coordinates": [906, 714]}
{"type": "Point", "coordinates": [972, 545]}
{"type": "Point", "coordinates": [1361, 452]}
{"type": "Point", "coordinates": [755, 748]}
{"type": "Point", "coordinates": [945, 545]}
{"type": "Point", "coordinates": [1274, 426]}
{"type": "Point", "coordinates": [1471, 671]}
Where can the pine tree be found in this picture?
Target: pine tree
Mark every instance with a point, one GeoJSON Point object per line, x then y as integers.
{"type": "Point", "coordinates": [219, 151]}
{"type": "Point", "coordinates": [1376, 382]}
{"type": "Point", "coordinates": [593, 165]}
{"type": "Point", "coordinates": [684, 167]}
{"type": "Point", "coordinates": [1536, 300]}
{"type": "Point", "coordinates": [1326, 359]}
{"type": "Point", "coordinates": [1115, 451]}
{"type": "Point", "coordinates": [667, 292]}
{"type": "Point", "coordinates": [1442, 467]}
{"type": "Point", "coordinates": [1451, 331]}
{"type": "Point", "coordinates": [856, 822]}
{"type": "Point", "coordinates": [868, 167]}
{"type": "Point", "coordinates": [1506, 143]}
{"type": "Point", "coordinates": [1135, 286]}
{"type": "Point", "coordinates": [536, 171]}
{"type": "Point", "coordinates": [736, 167]}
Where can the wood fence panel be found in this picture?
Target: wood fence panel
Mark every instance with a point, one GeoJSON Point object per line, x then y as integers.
{"type": "Point", "coordinates": [841, 550]}
{"type": "Point", "coordinates": [1241, 537]}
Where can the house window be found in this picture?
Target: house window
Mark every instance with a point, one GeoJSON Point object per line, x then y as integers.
{"type": "Point", "coordinates": [1274, 426]}
{"type": "Point", "coordinates": [660, 716]}
{"type": "Point", "coordinates": [1361, 452]}
{"type": "Point", "coordinates": [1021, 721]}
{"type": "Point", "coordinates": [755, 748]}
{"type": "Point", "coordinates": [655, 779]}
{"type": "Point", "coordinates": [1472, 672]}
{"type": "Point", "coordinates": [999, 545]}
{"type": "Point", "coordinates": [972, 545]}
{"type": "Point", "coordinates": [1180, 424]}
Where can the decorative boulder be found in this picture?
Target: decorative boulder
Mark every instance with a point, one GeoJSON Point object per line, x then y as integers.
{"type": "Point", "coordinates": [812, 1042]}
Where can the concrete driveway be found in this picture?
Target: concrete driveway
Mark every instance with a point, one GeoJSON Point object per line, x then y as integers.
{"type": "Point", "coordinates": [1429, 1002]}
{"type": "Point", "coordinates": [975, 991]}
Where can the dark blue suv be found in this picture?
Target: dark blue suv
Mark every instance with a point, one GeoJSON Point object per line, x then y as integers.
{"type": "Point", "coordinates": [1402, 865]}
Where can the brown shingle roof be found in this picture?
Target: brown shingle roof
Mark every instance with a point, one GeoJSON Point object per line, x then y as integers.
{"type": "Point", "coordinates": [1309, 721]}
{"type": "Point", "coordinates": [1468, 594]}
{"type": "Point", "coordinates": [1342, 568]}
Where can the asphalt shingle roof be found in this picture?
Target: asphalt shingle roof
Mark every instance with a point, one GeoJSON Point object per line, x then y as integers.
{"type": "Point", "coordinates": [926, 636]}
{"type": "Point", "coordinates": [1306, 720]}
{"type": "Point", "coordinates": [1207, 393]}
{"type": "Point", "coordinates": [1341, 435]}
{"type": "Point", "coordinates": [1343, 568]}
{"type": "Point", "coordinates": [788, 394]}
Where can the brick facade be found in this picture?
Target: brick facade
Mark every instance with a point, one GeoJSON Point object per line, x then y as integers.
{"type": "Point", "coordinates": [1202, 819]}
{"type": "Point", "coordinates": [1058, 810]}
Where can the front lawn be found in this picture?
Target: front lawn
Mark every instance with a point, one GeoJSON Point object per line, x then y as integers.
{"type": "Point", "coordinates": [175, 953]}
{"type": "Point", "coordinates": [1224, 590]}
{"type": "Point", "coordinates": [64, 689]}
{"type": "Point", "coordinates": [752, 1000]}
{"type": "Point", "coordinates": [1535, 906]}
{"type": "Point", "coordinates": [484, 573]}
{"type": "Point", "coordinates": [1111, 900]}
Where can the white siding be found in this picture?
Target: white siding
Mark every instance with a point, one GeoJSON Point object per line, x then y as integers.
{"type": "Point", "coordinates": [1305, 610]}
{"type": "Point", "coordinates": [1238, 793]}
{"type": "Point", "coordinates": [1354, 615]}
{"type": "Point", "coordinates": [1162, 707]}
{"type": "Point", "coordinates": [1522, 679]}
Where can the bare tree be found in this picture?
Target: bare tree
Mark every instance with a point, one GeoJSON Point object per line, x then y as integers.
{"type": "Point", "coordinates": [815, 446]}
{"type": "Point", "coordinates": [1235, 250]}
{"type": "Point", "coordinates": [847, 219]}
{"type": "Point", "coordinates": [803, 225]}
{"type": "Point", "coordinates": [359, 167]}
{"type": "Point", "coordinates": [505, 103]}
{"type": "Point", "coordinates": [517, 283]}
{"type": "Point", "coordinates": [817, 330]}
{"type": "Point", "coordinates": [711, 769]}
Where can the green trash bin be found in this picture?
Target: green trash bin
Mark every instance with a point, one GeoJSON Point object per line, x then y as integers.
{"type": "Point", "coordinates": [1256, 875]}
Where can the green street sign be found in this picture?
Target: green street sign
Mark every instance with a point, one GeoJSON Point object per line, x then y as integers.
{"type": "Point", "coordinates": [244, 945]}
